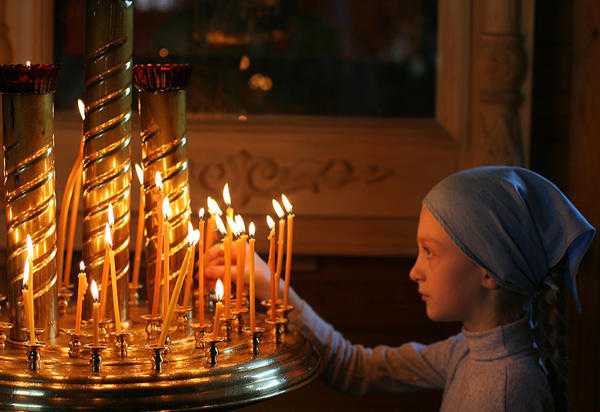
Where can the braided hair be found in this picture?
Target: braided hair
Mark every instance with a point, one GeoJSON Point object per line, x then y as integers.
{"type": "Point", "coordinates": [549, 324]}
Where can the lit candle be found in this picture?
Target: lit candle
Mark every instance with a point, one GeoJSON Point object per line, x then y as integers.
{"type": "Point", "coordinates": [190, 271]}
{"type": "Point", "coordinates": [140, 229]}
{"type": "Point", "coordinates": [227, 200]}
{"type": "Point", "coordinates": [27, 304]}
{"type": "Point", "coordinates": [107, 263]}
{"type": "Point", "coordinates": [218, 308]}
{"type": "Point", "coordinates": [95, 309]}
{"type": "Point", "coordinates": [271, 263]}
{"type": "Point", "coordinates": [159, 245]}
{"type": "Point", "coordinates": [81, 289]}
{"type": "Point", "coordinates": [211, 228]}
{"type": "Point", "coordinates": [74, 201]}
{"type": "Point", "coordinates": [167, 255]}
{"type": "Point", "coordinates": [251, 230]}
{"type": "Point", "coordinates": [227, 275]}
{"type": "Point", "coordinates": [241, 260]}
{"type": "Point", "coordinates": [288, 254]}
{"type": "Point", "coordinates": [113, 276]}
{"type": "Point", "coordinates": [183, 271]}
{"type": "Point", "coordinates": [280, 242]}
{"type": "Point", "coordinates": [201, 266]}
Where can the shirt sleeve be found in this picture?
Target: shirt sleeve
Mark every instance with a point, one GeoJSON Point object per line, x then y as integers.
{"type": "Point", "coordinates": [357, 369]}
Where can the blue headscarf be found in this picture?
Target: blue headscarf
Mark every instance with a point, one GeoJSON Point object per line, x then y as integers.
{"type": "Point", "coordinates": [514, 223]}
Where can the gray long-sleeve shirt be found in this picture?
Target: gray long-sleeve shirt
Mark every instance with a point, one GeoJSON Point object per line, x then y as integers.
{"type": "Point", "coordinates": [492, 371]}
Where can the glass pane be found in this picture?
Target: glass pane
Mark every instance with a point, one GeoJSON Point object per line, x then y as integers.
{"type": "Point", "coordinates": [310, 57]}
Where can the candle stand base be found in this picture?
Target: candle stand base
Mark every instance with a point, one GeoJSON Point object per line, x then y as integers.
{"type": "Point", "coordinates": [278, 328]}
{"type": "Point", "coordinates": [158, 352]}
{"type": "Point", "coordinates": [238, 315]}
{"type": "Point", "coordinates": [152, 326]}
{"type": "Point", "coordinates": [121, 342]}
{"type": "Point", "coordinates": [75, 345]}
{"type": "Point", "coordinates": [194, 375]}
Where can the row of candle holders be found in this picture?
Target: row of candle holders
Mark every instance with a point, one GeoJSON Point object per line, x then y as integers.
{"type": "Point", "coordinates": [233, 326]}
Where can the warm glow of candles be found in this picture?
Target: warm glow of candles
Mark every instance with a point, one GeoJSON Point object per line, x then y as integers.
{"type": "Point", "coordinates": [28, 301]}
{"type": "Point", "coordinates": [105, 270]}
{"type": "Point", "coordinates": [95, 309]}
{"type": "Point", "coordinates": [271, 263]}
{"type": "Point", "coordinates": [219, 291]}
{"type": "Point", "coordinates": [227, 200]}
{"type": "Point", "coordinates": [113, 274]}
{"type": "Point", "coordinates": [166, 208]}
{"type": "Point", "coordinates": [252, 297]}
{"type": "Point", "coordinates": [241, 260]}
{"type": "Point", "coordinates": [211, 227]}
{"type": "Point", "coordinates": [201, 265]}
{"type": "Point", "coordinates": [227, 257]}
{"type": "Point", "coordinates": [288, 254]}
{"type": "Point", "coordinates": [192, 239]}
{"type": "Point", "coordinates": [280, 243]}
{"type": "Point", "coordinates": [137, 260]}
{"type": "Point", "coordinates": [190, 272]}
{"type": "Point", "coordinates": [81, 107]}
{"type": "Point", "coordinates": [81, 289]}
{"type": "Point", "coordinates": [159, 248]}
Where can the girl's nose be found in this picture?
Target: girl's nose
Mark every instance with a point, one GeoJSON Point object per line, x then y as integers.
{"type": "Point", "coordinates": [416, 274]}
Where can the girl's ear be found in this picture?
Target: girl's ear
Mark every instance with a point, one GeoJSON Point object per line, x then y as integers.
{"type": "Point", "coordinates": [487, 280]}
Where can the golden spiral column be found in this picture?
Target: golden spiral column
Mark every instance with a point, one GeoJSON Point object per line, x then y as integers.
{"type": "Point", "coordinates": [107, 135]}
{"type": "Point", "coordinates": [162, 106]}
{"type": "Point", "coordinates": [29, 177]}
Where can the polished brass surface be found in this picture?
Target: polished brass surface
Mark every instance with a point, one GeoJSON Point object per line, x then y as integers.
{"type": "Point", "coordinates": [103, 379]}
{"type": "Point", "coordinates": [164, 142]}
{"type": "Point", "coordinates": [107, 136]}
{"type": "Point", "coordinates": [29, 176]}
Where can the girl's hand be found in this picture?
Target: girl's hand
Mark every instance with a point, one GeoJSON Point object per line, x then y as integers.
{"type": "Point", "coordinates": [215, 269]}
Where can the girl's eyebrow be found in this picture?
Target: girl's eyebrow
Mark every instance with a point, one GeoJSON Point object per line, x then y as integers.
{"type": "Point", "coordinates": [423, 239]}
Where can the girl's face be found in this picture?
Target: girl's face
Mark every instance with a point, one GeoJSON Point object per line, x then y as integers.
{"type": "Point", "coordinates": [449, 282]}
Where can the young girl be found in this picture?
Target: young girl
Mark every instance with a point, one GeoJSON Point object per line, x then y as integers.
{"type": "Point", "coordinates": [497, 246]}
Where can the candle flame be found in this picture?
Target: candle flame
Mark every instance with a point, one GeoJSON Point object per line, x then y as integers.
{"type": "Point", "coordinates": [201, 213]}
{"type": "Point", "coordinates": [166, 208]}
{"type": "Point", "coordinates": [286, 203]}
{"type": "Point", "coordinates": [278, 208]}
{"type": "Point", "coordinates": [26, 273]}
{"type": "Point", "coordinates": [140, 173]}
{"type": "Point", "coordinates": [107, 235]}
{"type": "Point", "coordinates": [219, 292]}
{"type": "Point", "coordinates": [81, 266]}
{"type": "Point", "coordinates": [251, 229]}
{"type": "Point", "coordinates": [29, 246]}
{"type": "Point", "coordinates": [81, 107]}
{"type": "Point", "coordinates": [190, 235]}
{"type": "Point", "coordinates": [232, 225]}
{"type": "Point", "coordinates": [94, 290]}
{"type": "Point", "coordinates": [239, 221]}
{"type": "Point", "coordinates": [220, 225]}
{"type": "Point", "coordinates": [28, 63]}
{"type": "Point", "coordinates": [213, 206]}
{"type": "Point", "coordinates": [158, 180]}
{"type": "Point", "coordinates": [111, 215]}
{"type": "Point", "coordinates": [196, 237]}
{"type": "Point", "coordinates": [270, 222]}
{"type": "Point", "coordinates": [226, 195]}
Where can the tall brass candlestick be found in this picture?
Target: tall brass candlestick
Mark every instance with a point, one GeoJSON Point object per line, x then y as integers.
{"type": "Point", "coordinates": [107, 136]}
{"type": "Point", "coordinates": [162, 107]}
{"type": "Point", "coordinates": [28, 125]}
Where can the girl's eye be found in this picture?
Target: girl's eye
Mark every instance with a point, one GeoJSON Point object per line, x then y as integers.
{"type": "Point", "coordinates": [428, 253]}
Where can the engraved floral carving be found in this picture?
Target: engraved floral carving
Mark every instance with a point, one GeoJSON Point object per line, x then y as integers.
{"type": "Point", "coordinates": [262, 176]}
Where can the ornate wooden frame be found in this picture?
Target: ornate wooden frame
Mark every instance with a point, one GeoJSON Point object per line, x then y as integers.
{"type": "Point", "coordinates": [357, 184]}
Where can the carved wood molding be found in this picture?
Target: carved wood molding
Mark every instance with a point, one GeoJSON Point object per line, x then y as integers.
{"type": "Point", "coordinates": [264, 176]}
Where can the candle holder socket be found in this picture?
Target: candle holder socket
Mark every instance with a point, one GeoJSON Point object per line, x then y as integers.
{"type": "Point", "coordinates": [103, 330]}
{"type": "Point", "coordinates": [64, 296]}
{"type": "Point", "coordinates": [34, 359]}
{"type": "Point", "coordinates": [158, 356]}
{"type": "Point", "coordinates": [200, 332]}
{"type": "Point", "coordinates": [121, 342]}
{"type": "Point", "coordinates": [184, 320]}
{"type": "Point", "coordinates": [95, 356]}
{"type": "Point", "coordinates": [75, 344]}
{"type": "Point", "coordinates": [238, 314]}
{"type": "Point", "coordinates": [256, 335]}
{"type": "Point", "coordinates": [5, 327]}
{"type": "Point", "coordinates": [228, 321]}
{"type": "Point", "coordinates": [278, 328]}
{"type": "Point", "coordinates": [213, 350]}
{"type": "Point", "coordinates": [152, 327]}
{"type": "Point", "coordinates": [285, 312]}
